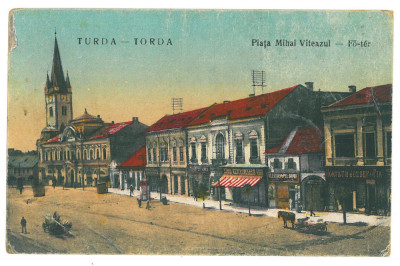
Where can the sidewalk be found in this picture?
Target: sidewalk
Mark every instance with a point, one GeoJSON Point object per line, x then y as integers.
{"type": "Point", "coordinates": [335, 217]}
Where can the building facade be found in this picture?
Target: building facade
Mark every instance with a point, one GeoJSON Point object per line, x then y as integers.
{"type": "Point", "coordinates": [296, 176]}
{"type": "Point", "coordinates": [131, 171]}
{"type": "Point", "coordinates": [78, 152]}
{"type": "Point", "coordinates": [358, 133]}
{"type": "Point", "coordinates": [166, 153]}
{"type": "Point", "coordinates": [22, 167]}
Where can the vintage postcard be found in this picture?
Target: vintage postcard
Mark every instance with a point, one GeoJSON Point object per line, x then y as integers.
{"type": "Point", "coordinates": [199, 132]}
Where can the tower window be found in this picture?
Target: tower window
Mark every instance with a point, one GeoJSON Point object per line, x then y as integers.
{"type": "Point", "coordinates": [64, 110]}
{"type": "Point", "coordinates": [51, 111]}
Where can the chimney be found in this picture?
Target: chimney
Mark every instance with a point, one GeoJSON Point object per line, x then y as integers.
{"type": "Point", "coordinates": [352, 88]}
{"type": "Point", "coordinates": [98, 116]}
{"type": "Point", "coordinates": [309, 85]}
{"type": "Point", "coordinates": [112, 122]}
{"type": "Point", "coordinates": [135, 119]}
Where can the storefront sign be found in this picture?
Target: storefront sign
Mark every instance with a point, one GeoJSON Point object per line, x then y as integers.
{"type": "Point", "coordinates": [357, 172]}
{"type": "Point", "coordinates": [198, 169]}
{"type": "Point", "coordinates": [243, 171]}
{"type": "Point", "coordinates": [283, 177]}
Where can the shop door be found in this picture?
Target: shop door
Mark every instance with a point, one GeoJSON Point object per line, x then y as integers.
{"type": "Point", "coordinates": [176, 184]}
{"type": "Point", "coordinates": [283, 196]}
{"type": "Point", "coordinates": [371, 198]}
{"type": "Point", "coordinates": [314, 197]}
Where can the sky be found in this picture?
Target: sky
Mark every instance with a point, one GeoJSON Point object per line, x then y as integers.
{"type": "Point", "coordinates": [210, 59]}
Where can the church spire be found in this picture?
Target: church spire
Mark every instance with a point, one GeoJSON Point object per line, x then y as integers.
{"type": "Point", "coordinates": [67, 83]}
{"type": "Point", "coordinates": [48, 83]}
{"type": "Point", "coordinates": [57, 75]}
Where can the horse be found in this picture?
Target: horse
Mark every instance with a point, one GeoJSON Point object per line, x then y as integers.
{"type": "Point", "coordinates": [287, 216]}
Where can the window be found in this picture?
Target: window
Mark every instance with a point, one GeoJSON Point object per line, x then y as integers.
{"type": "Point", "coordinates": [174, 155]}
{"type": "Point", "coordinates": [291, 164]}
{"type": "Point", "coordinates": [277, 164]}
{"type": "Point", "coordinates": [253, 148]}
{"type": "Point", "coordinates": [193, 146]}
{"type": "Point", "coordinates": [51, 111]}
{"type": "Point", "coordinates": [389, 144]}
{"type": "Point", "coordinates": [91, 154]}
{"type": "Point", "coordinates": [84, 155]}
{"type": "Point", "coordinates": [369, 145]}
{"type": "Point", "coordinates": [61, 155]}
{"type": "Point", "coordinates": [203, 151]}
{"type": "Point", "coordinates": [64, 110]}
{"type": "Point", "coordinates": [219, 146]}
{"type": "Point", "coordinates": [181, 154]}
{"type": "Point", "coordinates": [163, 154]}
{"type": "Point", "coordinates": [344, 145]}
{"type": "Point", "coordinates": [154, 154]}
{"type": "Point", "coordinates": [104, 154]}
{"type": "Point", "coordinates": [97, 154]}
{"type": "Point", "coordinates": [239, 148]}
{"type": "Point", "coordinates": [149, 154]}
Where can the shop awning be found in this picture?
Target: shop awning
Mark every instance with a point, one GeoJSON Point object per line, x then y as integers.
{"type": "Point", "coordinates": [237, 181]}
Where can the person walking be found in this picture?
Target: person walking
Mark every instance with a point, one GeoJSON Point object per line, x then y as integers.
{"type": "Point", "coordinates": [130, 191]}
{"type": "Point", "coordinates": [148, 205]}
{"type": "Point", "coordinates": [23, 225]}
{"type": "Point", "coordinates": [139, 201]}
{"type": "Point", "coordinates": [20, 189]}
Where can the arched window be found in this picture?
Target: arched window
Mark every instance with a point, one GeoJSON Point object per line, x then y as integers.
{"type": "Point", "coordinates": [97, 154]}
{"type": "Point", "coordinates": [253, 138]}
{"type": "Point", "coordinates": [219, 146]}
{"type": "Point", "coordinates": [104, 154]}
{"type": "Point", "coordinates": [84, 155]}
{"type": "Point", "coordinates": [68, 156]}
{"type": "Point", "coordinates": [91, 154]}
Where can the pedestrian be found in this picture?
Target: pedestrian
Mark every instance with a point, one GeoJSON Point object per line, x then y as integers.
{"type": "Point", "coordinates": [20, 189]}
{"type": "Point", "coordinates": [130, 191]}
{"type": "Point", "coordinates": [23, 225]}
{"type": "Point", "coordinates": [139, 201]}
{"type": "Point", "coordinates": [54, 184]}
{"type": "Point", "coordinates": [290, 204]}
{"type": "Point", "coordinates": [148, 205]}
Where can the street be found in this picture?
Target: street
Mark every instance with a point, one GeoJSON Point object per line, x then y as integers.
{"type": "Point", "coordinates": [114, 224]}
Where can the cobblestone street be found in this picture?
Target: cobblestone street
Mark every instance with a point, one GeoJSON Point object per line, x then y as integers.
{"type": "Point", "coordinates": [114, 224]}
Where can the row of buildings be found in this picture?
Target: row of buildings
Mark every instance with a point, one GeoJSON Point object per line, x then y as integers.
{"type": "Point", "coordinates": [297, 147]}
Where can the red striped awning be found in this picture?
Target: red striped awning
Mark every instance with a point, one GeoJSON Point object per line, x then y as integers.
{"type": "Point", "coordinates": [237, 181]}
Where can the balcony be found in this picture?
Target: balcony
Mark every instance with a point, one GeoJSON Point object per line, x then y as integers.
{"type": "Point", "coordinates": [219, 162]}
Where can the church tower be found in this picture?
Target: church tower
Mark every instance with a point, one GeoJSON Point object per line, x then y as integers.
{"type": "Point", "coordinates": [58, 97]}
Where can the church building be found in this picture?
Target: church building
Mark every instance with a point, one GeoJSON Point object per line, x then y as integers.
{"type": "Point", "coordinates": [78, 152]}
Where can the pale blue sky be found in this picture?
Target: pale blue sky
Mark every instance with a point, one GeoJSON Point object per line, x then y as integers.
{"type": "Point", "coordinates": [210, 60]}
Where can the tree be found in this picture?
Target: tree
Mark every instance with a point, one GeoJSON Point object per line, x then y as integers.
{"type": "Point", "coordinates": [248, 190]}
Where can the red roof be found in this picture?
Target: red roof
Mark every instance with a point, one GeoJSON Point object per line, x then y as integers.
{"type": "Point", "coordinates": [247, 107]}
{"type": "Point", "coordinates": [55, 139]}
{"type": "Point", "coordinates": [111, 129]}
{"type": "Point", "coordinates": [381, 94]}
{"type": "Point", "coordinates": [175, 121]}
{"type": "Point", "coordinates": [138, 159]}
{"type": "Point", "coordinates": [306, 140]}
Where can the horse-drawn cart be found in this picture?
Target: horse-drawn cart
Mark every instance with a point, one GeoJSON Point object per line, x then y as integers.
{"type": "Point", "coordinates": [306, 224]}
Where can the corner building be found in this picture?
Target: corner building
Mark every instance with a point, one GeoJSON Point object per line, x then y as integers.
{"type": "Point", "coordinates": [358, 148]}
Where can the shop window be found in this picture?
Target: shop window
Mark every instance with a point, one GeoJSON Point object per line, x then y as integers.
{"type": "Point", "coordinates": [369, 145]}
{"type": "Point", "coordinates": [181, 154]}
{"type": "Point", "coordinates": [389, 144]}
{"type": "Point", "coordinates": [344, 145]}
{"type": "Point", "coordinates": [219, 146]}
{"type": "Point", "coordinates": [174, 155]}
